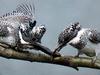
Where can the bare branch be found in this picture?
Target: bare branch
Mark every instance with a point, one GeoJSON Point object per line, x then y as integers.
{"type": "Point", "coordinates": [38, 57]}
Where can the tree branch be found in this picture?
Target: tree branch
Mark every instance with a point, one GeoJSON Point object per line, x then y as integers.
{"type": "Point", "coordinates": [38, 57]}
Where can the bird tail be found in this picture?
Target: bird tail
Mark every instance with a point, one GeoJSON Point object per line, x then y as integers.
{"type": "Point", "coordinates": [89, 51]}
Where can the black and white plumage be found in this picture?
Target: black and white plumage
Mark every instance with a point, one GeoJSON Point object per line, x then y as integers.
{"type": "Point", "coordinates": [34, 35]}
{"type": "Point", "coordinates": [94, 36]}
{"type": "Point", "coordinates": [23, 14]}
{"type": "Point", "coordinates": [80, 43]}
{"type": "Point", "coordinates": [11, 22]}
{"type": "Point", "coordinates": [23, 27]}
{"type": "Point", "coordinates": [67, 35]}
{"type": "Point", "coordinates": [85, 37]}
{"type": "Point", "coordinates": [9, 34]}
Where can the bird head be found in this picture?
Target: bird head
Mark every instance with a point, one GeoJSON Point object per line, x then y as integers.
{"type": "Point", "coordinates": [76, 26]}
{"type": "Point", "coordinates": [39, 29]}
{"type": "Point", "coordinates": [38, 32]}
{"type": "Point", "coordinates": [42, 28]}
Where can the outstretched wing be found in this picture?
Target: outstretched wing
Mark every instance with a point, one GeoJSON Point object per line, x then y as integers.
{"type": "Point", "coordinates": [23, 13]}
{"type": "Point", "coordinates": [26, 9]}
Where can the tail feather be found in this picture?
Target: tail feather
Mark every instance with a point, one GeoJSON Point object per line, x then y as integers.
{"type": "Point", "coordinates": [21, 12]}
{"type": "Point", "coordinates": [27, 9]}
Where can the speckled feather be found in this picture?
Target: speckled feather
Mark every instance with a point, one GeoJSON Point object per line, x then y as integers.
{"type": "Point", "coordinates": [23, 13]}
{"type": "Point", "coordinates": [67, 35]}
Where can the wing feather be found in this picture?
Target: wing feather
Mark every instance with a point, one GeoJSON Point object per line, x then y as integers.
{"type": "Point", "coordinates": [24, 13]}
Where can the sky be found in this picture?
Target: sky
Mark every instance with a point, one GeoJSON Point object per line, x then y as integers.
{"type": "Point", "coordinates": [56, 15]}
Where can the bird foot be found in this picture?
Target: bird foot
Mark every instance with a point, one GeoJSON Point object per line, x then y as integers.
{"type": "Point", "coordinates": [56, 54]}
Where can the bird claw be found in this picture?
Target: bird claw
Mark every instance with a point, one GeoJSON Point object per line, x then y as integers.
{"type": "Point", "coordinates": [56, 54]}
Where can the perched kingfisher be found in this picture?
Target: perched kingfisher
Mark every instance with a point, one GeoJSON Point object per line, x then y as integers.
{"type": "Point", "coordinates": [67, 35]}
{"type": "Point", "coordinates": [34, 35]}
{"type": "Point", "coordinates": [80, 42]}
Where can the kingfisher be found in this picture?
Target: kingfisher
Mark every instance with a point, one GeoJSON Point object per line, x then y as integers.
{"type": "Point", "coordinates": [10, 23]}
{"type": "Point", "coordinates": [80, 42]}
{"type": "Point", "coordinates": [67, 35]}
{"type": "Point", "coordinates": [83, 41]}
{"type": "Point", "coordinates": [94, 36]}
{"type": "Point", "coordinates": [22, 25]}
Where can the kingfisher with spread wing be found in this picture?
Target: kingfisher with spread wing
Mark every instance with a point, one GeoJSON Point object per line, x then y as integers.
{"type": "Point", "coordinates": [21, 25]}
{"type": "Point", "coordinates": [10, 24]}
{"type": "Point", "coordinates": [32, 34]}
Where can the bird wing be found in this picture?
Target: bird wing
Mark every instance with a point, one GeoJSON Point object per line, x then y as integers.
{"type": "Point", "coordinates": [67, 35]}
{"type": "Point", "coordinates": [23, 13]}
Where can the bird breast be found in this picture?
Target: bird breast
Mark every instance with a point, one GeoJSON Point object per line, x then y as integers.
{"type": "Point", "coordinates": [82, 32]}
{"type": "Point", "coordinates": [75, 40]}
{"type": "Point", "coordinates": [79, 36]}
{"type": "Point", "coordinates": [80, 40]}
